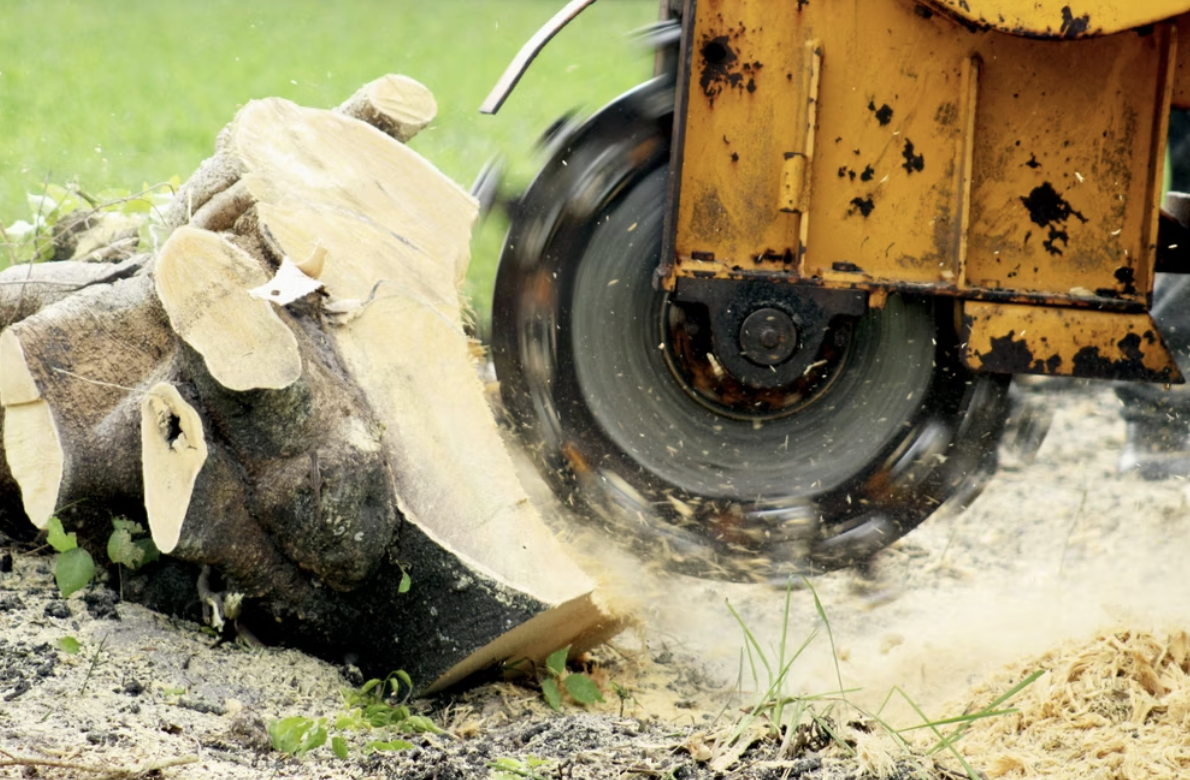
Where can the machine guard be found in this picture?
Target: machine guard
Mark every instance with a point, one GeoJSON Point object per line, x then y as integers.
{"type": "Point", "coordinates": [528, 53]}
{"type": "Point", "coordinates": [895, 149]}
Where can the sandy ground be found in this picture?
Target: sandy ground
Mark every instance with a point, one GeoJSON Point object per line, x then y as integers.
{"type": "Point", "coordinates": [1050, 553]}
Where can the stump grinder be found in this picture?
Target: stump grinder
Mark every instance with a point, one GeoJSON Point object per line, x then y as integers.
{"type": "Point", "coordinates": [760, 314]}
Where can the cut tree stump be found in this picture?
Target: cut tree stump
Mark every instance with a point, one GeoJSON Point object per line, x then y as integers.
{"type": "Point", "coordinates": [286, 395]}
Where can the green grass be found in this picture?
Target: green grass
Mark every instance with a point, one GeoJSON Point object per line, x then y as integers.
{"type": "Point", "coordinates": [119, 94]}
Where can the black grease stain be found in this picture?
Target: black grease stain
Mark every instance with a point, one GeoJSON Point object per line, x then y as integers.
{"type": "Point", "coordinates": [884, 114]}
{"type": "Point", "coordinates": [801, 3]}
{"type": "Point", "coordinates": [1127, 277]}
{"type": "Point", "coordinates": [867, 174]}
{"type": "Point", "coordinates": [1130, 346]}
{"type": "Point", "coordinates": [1051, 364]}
{"type": "Point", "coordinates": [1051, 211]}
{"type": "Point", "coordinates": [719, 68]}
{"type": "Point", "coordinates": [843, 172]}
{"type": "Point", "coordinates": [1033, 162]}
{"type": "Point", "coordinates": [923, 12]}
{"type": "Point", "coordinates": [847, 268]}
{"type": "Point", "coordinates": [1007, 355]}
{"type": "Point", "coordinates": [864, 206]}
{"type": "Point", "coordinates": [1072, 27]}
{"type": "Point", "coordinates": [735, 157]}
{"type": "Point", "coordinates": [1089, 362]}
{"type": "Point", "coordinates": [913, 162]}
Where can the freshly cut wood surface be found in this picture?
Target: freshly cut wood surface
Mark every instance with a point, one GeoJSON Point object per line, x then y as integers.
{"type": "Point", "coordinates": [174, 450]}
{"type": "Point", "coordinates": [395, 105]}
{"type": "Point", "coordinates": [68, 371]}
{"type": "Point", "coordinates": [203, 282]}
{"type": "Point", "coordinates": [397, 238]}
{"type": "Point", "coordinates": [286, 394]}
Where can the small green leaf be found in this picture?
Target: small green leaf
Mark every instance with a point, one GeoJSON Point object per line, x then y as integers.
{"type": "Point", "coordinates": [553, 697]}
{"type": "Point", "coordinates": [339, 746]}
{"type": "Point", "coordinates": [131, 526]}
{"type": "Point", "coordinates": [149, 551]}
{"type": "Point", "coordinates": [406, 582]}
{"type": "Point", "coordinates": [57, 537]}
{"type": "Point", "coordinates": [556, 663]}
{"type": "Point", "coordinates": [121, 550]}
{"type": "Point", "coordinates": [69, 645]}
{"type": "Point", "coordinates": [404, 678]}
{"type": "Point", "coordinates": [420, 724]}
{"type": "Point", "coordinates": [582, 688]}
{"type": "Point", "coordinates": [316, 739]}
{"type": "Point", "coordinates": [286, 734]}
{"type": "Point", "coordinates": [73, 570]}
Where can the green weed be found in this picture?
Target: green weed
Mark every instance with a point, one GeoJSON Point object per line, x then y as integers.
{"type": "Point", "coordinates": [508, 768]}
{"type": "Point", "coordinates": [579, 686]}
{"type": "Point", "coordinates": [374, 718]}
{"type": "Point", "coordinates": [811, 722]}
{"type": "Point", "coordinates": [297, 736]}
{"type": "Point", "coordinates": [75, 567]}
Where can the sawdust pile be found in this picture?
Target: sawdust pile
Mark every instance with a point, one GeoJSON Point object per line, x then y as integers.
{"type": "Point", "coordinates": [1115, 707]}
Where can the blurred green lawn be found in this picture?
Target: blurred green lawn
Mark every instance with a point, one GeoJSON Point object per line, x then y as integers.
{"type": "Point", "coordinates": [122, 93]}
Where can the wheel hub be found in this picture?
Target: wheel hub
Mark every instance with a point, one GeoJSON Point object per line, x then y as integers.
{"type": "Point", "coordinates": [768, 337]}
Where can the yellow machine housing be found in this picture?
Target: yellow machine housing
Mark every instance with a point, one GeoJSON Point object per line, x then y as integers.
{"type": "Point", "coordinates": [1007, 153]}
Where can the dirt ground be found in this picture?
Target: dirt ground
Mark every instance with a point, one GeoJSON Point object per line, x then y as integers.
{"type": "Point", "coordinates": [1059, 559]}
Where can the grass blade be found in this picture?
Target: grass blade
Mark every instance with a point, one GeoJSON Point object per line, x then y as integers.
{"type": "Point", "coordinates": [830, 635]}
{"type": "Point", "coordinates": [967, 720]}
{"type": "Point", "coordinates": [943, 741]}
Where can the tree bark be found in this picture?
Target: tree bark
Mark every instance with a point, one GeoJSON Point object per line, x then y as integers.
{"type": "Point", "coordinates": [286, 394]}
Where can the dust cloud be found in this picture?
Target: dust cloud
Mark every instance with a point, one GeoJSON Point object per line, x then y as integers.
{"type": "Point", "coordinates": [1051, 551]}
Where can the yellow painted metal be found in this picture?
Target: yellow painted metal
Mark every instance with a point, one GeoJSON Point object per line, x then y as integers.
{"type": "Point", "coordinates": [1180, 97]}
{"type": "Point", "coordinates": [1061, 18]}
{"type": "Point", "coordinates": [878, 145]}
{"type": "Point", "coordinates": [793, 183]}
{"type": "Point", "coordinates": [1022, 339]}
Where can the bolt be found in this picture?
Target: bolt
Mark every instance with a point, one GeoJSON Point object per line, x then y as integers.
{"type": "Point", "coordinates": [768, 337]}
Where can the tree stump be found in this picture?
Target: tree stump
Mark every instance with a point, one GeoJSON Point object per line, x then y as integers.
{"type": "Point", "coordinates": [286, 395]}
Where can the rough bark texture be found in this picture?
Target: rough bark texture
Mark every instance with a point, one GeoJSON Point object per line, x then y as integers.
{"type": "Point", "coordinates": [310, 454]}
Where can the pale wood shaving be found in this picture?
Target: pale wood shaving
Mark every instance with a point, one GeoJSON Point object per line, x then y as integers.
{"type": "Point", "coordinates": [1112, 708]}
